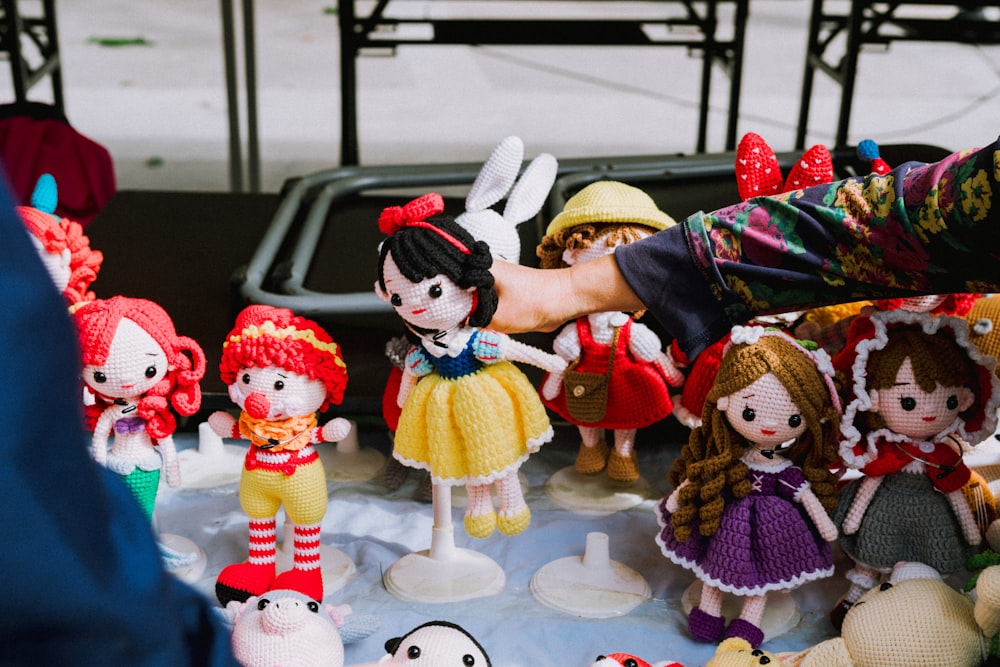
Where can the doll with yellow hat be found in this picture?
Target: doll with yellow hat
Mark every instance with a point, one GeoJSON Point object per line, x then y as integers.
{"type": "Point", "coordinates": [624, 356]}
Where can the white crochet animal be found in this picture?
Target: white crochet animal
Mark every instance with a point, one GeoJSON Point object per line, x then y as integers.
{"type": "Point", "coordinates": [498, 176]}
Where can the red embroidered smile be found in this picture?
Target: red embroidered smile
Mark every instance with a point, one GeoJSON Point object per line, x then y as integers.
{"type": "Point", "coordinates": [418, 311]}
{"type": "Point", "coordinates": [764, 431]}
{"type": "Point", "coordinates": [929, 419]}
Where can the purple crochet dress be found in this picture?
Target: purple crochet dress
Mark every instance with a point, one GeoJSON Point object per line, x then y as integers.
{"type": "Point", "coordinates": [765, 541]}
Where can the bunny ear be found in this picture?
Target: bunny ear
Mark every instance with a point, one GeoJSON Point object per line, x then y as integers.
{"type": "Point", "coordinates": [530, 192]}
{"type": "Point", "coordinates": [757, 170]}
{"type": "Point", "coordinates": [497, 175]}
{"type": "Point", "coordinates": [815, 167]}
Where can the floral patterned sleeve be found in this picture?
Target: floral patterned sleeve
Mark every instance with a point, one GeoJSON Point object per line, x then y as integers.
{"type": "Point", "coordinates": [921, 228]}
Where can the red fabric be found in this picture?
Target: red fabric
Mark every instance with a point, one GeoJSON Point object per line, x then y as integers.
{"type": "Point", "coordinates": [894, 457]}
{"type": "Point", "coordinates": [638, 393]}
{"type": "Point", "coordinates": [701, 377]}
{"type": "Point", "coordinates": [390, 408]}
{"type": "Point", "coordinates": [84, 173]}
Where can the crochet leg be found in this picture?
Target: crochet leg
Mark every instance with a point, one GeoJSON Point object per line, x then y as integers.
{"type": "Point", "coordinates": [241, 580]}
{"type": "Point", "coordinates": [480, 518]}
{"type": "Point", "coordinates": [306, 576]}
{"type": "Point", "coordinates": [747, 626]}
{"type": "Point", "coordinates": [705, 623]}
{"type": "Point", "coordinates": [514, 514]}
{"type": "Point", "coordinates": [593, 454]}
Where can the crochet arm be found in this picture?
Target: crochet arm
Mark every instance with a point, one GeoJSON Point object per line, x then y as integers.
{"type": "Point", "coordinates": [515, 350]}
{"type": "Point", "coordinates": [102, 431]}
{"type": "Point", "coordinates": [866, 491]}
{"type": "Point", "coordinates": [814, 508]}
{"type": "Point", "coordinates": [646, 345]}
{"type": "Point", "coordinates": [171, 466]}
{"type": "Point", "coordinates": [920, 228]}
{"type": "Point", "coordinates": [965, 519]}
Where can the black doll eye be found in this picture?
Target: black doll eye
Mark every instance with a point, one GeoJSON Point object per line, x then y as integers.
{"type": "Point", "coordinates": [795, 421]}
{"type": "Point", "coordinates": [886, 586]}
{"type": "Point", "coordinates": [908, 403]}
{"type": "Point", "coordinates": [413, 652]}
{"type": "Point", "coordinates": [630, 663]}
{"type": "Point", "coordinates": [952, 402]}
{"type": "Point", "coordinates": [151, 372]}
{"type": "Point", "coordinates": [99, 377]}
{"type": "Point", "coordinates": [263, 602]}
{"type": "Point", "coordinates": [435, 291]}
{"type": "Point", "coordinates": [246, 378]}
{"type": "Point", "coordinates": [468, 660]}
{"type": "Point", "coordinates": [396, 300]}
{"type": "Point", "coordinates": [313, 606]}
{"type": "Point", "coordinates": [278, 385]}
{"type": "Point", "coordinates": [749, 415]}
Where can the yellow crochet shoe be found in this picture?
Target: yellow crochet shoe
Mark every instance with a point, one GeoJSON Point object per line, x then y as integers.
{"type": "Point", "coordinates": [623, 468]}
{"type": "Point", "coordinates": [480, 525]}
{"type": "Point", "coordinates": [512, 525]}
{"type": "Point", "coordinates": [591, 460]}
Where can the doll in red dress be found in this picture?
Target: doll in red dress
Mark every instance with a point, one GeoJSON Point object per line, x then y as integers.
{"type": "Point", "coordinates": [600, 217]}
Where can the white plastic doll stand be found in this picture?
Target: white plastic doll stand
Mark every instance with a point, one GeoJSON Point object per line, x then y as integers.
{"type": "Point", "coordinates": [212, 464]}
{"type": "Point", "coordinates": [595, 494]}
{"type": "Point", "coordinates": [347, 461]}
{"type": "Point", "coordinates": [592, 585]}
{"type": "Point", "coordinates": [336, 566]}
{"type": "Point", "coordinates": [444, 573]}
{"type": "Point", "coordinates": [781, 614]}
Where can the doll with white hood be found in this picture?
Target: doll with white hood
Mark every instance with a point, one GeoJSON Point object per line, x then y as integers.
{"type": "Point", "coordinates": [281, 369]}
{"type": "Point", "coordinates": [593, 222]}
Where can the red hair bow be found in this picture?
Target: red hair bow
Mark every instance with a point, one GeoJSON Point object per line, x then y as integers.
{"type": "Point", "coordinates": [395, 218]}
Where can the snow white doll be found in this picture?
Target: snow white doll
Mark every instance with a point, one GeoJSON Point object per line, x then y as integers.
{"type": "Point", "coordinates": [136, 368]}
{"type": "Point", "coordinates": [753, 485]}
{"type": "Point", "coordinates": [918, 390]}
{"type": "Point", "coordinates": [474, 417]}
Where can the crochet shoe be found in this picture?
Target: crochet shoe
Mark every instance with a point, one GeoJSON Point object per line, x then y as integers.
{"type": "Point", "coordinates": [512, 525]}
{"type": "Point", "coordinates": [742, 629]}
{"type": "Point", "coordinates": [237, 582]}
{"type": "Point", "coordinates": [307, 582]}
{"type": "Point", "coordinates": [704, 627]}
{"type": "Point", "coordinates": [591, 460]}
{"type": "Point", "coordinates": [480, 525]}
{"type": "Point", "coordinates": [838, 613]}
{"type": "Point", "coordinates": [623, 468]}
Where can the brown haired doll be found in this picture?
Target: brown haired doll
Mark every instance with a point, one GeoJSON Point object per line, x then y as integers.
{"type": "Point", "coordinates": [917, 385]}
{"type": "Point", "coordinates": [593, 223]}
{"type": "Point", "coordinates": [754, 484]}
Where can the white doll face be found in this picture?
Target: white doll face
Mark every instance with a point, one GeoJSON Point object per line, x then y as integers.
{"type": "Point", "coordinates": [134, 365]}
{"type": "Point", "coordinates": [909, 410]}
{"type": "Point", "coordinates": [56, 263]}
{"type": "Point", "coordinates": [763, 413]}
{"type": "Point", "coordinates": [275, 393]}
{"type": "Point", "coordinates": [435, 303]}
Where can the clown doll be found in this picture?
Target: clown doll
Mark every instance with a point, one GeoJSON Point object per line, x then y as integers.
{"type": "Point", "coordinates": [135, 369]}
{"type": "Point", "coordinates": [280, 369]}
{"type": "Point", "coordinates": [64, 248]}
{"type": "Point", "coordinates": [918, 390]}
{"type": "Point", "coordinates": [594, 221]}
{"type": "Point", "coordinates": [473, 418]}
{"type": "Point", "coordinates": [753, 484]}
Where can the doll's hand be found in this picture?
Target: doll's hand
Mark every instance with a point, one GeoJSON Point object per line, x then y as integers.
{"type": "Point", "coordinates": [666, 363]}
{"type": "Point", "coordinates": [552, 385]}
{"type": "Point", "coordinates": [223, 424]}
{"type": "Point", "coordinates": [336, 430]}
{"type": "Point", "coordinates": [672, 504]}
{"type": "Point", "coordinates": [828, 530]}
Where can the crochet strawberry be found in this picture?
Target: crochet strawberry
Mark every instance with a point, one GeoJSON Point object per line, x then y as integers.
{"type": "Point", "coordinates": [758, 173]}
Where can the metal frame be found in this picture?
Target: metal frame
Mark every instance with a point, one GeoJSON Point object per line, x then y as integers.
{"type": "Point", "coordinates": [882, 23]}
{"type": "Point", "coordinates": [378, 29]}
{"type": "Point", "coordinates": [41, 32]}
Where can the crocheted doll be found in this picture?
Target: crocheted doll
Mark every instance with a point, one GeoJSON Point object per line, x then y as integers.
{"type": "Point", "coordinates": [281, 369]}
{"type": "Point", "coordinates": [287, 628]}
{"type": "Point", "coordinates": [627, 660]}
{"type": "Point", "coordinates": [473, 418]}
{"type": "Point", "coordinates": [737, 652]}
{"type": "Point", "coordinates": [433, 644]}
{"type": "Point", "coordinates": [64, 248]}
{"type": "Point", "coordinates": [915, 384]}
{"type": "Point", "coordinates": [135, 370]}
{"type": "Point", "coordinates": [593, 222]}
{"type": "Point", "coordinates": [753, 484]}
{"type": "Point", "coordinates": [914, 619]}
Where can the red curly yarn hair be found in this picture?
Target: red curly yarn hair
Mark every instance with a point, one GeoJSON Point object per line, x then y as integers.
{"type": "Point", "coordinates": [58, 234]}
{"type": "Point", "coordinates": [269, 336]}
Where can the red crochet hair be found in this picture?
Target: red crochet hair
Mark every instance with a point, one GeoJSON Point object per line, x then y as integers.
{"type": "Point", "coordinates": [97, 322]}
{"type": "Point", "coordinates": [58, 234]}
{"type": "Point", "coordinates": [269, 336]}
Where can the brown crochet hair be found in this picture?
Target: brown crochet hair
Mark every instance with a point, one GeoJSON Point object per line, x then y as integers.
{"type": "Point", "coordinates": [550, 250]}
{"type": "Point", "coordinates": [711, 461]}
{"type": "Point", "coordinates": [937, 360]}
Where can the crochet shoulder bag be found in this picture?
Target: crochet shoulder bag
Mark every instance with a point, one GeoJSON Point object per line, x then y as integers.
{"type": "Point", "coordinates": [587, 393]}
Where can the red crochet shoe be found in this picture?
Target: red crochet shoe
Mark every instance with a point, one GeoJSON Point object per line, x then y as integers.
{"type": "Point", "coordinates": [237, 582]}
{"type": "Point", "coordinates": [307, 582]}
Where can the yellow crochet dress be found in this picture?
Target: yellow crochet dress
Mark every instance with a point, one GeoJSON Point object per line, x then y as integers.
{"type": "Point", "coordinates": [471, 419]}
